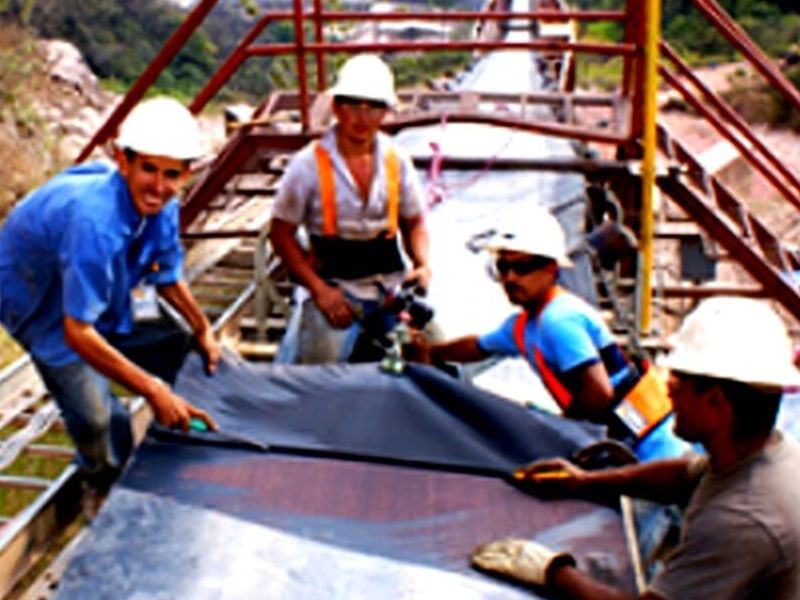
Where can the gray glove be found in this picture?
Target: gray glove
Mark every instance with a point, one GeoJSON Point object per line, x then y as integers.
{"type": "Point", "coordinates": [521, 560]}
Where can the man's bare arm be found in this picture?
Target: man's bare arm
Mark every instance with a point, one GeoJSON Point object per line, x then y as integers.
{"type": "Point", "coordinates": [416, 242]}
{"type": "Point", "coordinates": [180, 296]}
{"type": "Point", "coordinates": [462, 350]}
{"type": "Point", "coordinates": [282, 237]}
{"type": "Point", "coordinates": [664, 481]}
{"type": "Point", "coordinates": [330, 300]}
{"type": "Point", "coordinates": [592, 393]}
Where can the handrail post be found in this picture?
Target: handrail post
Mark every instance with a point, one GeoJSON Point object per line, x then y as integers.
{"type": "Point", "coordinates": [300, 55]}
{"type": "Point", "coordinates": [231, 65]}
{"type": "Point", "coordinates": [648, 164]}
{"type": "Point", "coordinates": [322, 75]}
{"type": "Point", "coordinates": [260, 276]}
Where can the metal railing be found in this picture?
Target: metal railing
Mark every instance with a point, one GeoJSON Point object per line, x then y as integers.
{"type": "Point", "coordinates": [317, 47]}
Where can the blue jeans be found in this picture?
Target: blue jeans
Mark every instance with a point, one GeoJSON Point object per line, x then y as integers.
{"type": "Point", "coordinates": [95, 419]}
{"type": "Point", "coordinates": [662, 443]}
{"type": "Point", "coordinates": [98, 424]}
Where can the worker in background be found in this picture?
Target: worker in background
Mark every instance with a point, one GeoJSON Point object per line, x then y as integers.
{"type": "Point", "coordinates": [81, 261]}
{"type": "Point", "coordinates": [355, 194]}
{"type": "Point", "coordinates": [740, 537]}
{"type": "Point", "coordinates": [565, 341]}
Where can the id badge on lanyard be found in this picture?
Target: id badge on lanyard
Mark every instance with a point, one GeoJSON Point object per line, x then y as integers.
{"type": "Point", "coordinates": [144, 299]}
{"type": "Point", "coordinates": [144, 303]}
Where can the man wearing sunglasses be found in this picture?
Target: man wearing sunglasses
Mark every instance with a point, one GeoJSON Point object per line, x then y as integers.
{"type": "Point", "coordinates": [565, 341]}
{"type": "Point", "coordinates": [355, 195]}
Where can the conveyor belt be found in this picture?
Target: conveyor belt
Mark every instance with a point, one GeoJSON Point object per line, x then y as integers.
{"type": "Point", "coordinates": [192, 521]}
{"type": "Point", "coordinates": [379, 490]}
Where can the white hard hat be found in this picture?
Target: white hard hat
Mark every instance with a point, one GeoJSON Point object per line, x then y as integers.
{"type": "Point", "coordinates": [161, 127]}
{"type": "Point", "coordinates": [365, 76]}
{"type": "Point", "coordinates": [536, 231]}
{"type": "Point", "coordinates": [741, 339]}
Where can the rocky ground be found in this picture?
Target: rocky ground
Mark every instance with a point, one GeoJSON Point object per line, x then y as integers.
{"type": "Point", "coordinates": [700, 136]}
{"type": "Point", "coordinates": [80, 107]}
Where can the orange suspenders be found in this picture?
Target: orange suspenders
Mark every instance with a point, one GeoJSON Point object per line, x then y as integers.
{"type": "Point", "coordinates": [327, 190]}
{"type": "Point", "coordinates": [560, 394]}
{"type": "Point", "coordinates": [391, 165]}
{"type": "Point", "coordinates": [644, 406]}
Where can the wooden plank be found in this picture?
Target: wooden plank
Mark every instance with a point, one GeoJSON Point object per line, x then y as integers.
{"type": "Point", "coordinates": [257, 350]}
{"type": "Point", "coordinates": [24, 483]}
{"type": "Point", "coordinates": [46, 584]}
{"type": "Point", "coordinates": [50, 451]}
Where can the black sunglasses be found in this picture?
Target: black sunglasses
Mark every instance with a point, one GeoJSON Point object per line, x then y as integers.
{"type": "Point", "coordinates": [350, 101]}
{"type": "Point", "coordinates": [522, 266]}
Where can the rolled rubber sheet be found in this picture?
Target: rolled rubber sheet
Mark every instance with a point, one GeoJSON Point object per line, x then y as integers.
{"type": "Point", "coordinates": [423, 416]}
{"type": "Point", "coordinates": [203, 517]}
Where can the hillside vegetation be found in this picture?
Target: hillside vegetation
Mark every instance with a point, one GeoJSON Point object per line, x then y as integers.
{"type": "Point", "coordinates": [26, 151]}
{"type": "Point", "coordinates": [119, 38]}
{"type": "Point", "coordinates": [773, 24]}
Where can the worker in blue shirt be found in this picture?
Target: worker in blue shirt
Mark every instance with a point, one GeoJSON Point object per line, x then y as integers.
{"type": "Point", "coordinates": [81, 260]}
{"type": "Point", "coordinates": [565, 341]}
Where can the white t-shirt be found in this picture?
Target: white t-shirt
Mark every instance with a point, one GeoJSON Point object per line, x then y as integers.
{"type": "Point", "coordinates": [298, 200]}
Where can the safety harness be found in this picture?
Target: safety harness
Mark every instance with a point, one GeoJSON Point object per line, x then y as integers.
{"type": "Point", "coordinates": [341, 258]}
{"type": "Point", "coordinates": [642, 408]}
{"type": "Point", "coordinates": [327, 191]}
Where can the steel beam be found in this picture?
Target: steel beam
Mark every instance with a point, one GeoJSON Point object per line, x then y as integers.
{"type": "Point", "coordinates": [162, 60]}
{"type": "Point", "coordinates": [734, 242]}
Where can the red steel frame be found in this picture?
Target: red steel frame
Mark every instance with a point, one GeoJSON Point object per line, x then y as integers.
{"type": "Point", "coordinates": [300, 48]}
{"type": "Point", "coordinates": [171, 48]}
{"type": "Point", "coordinates": [630, 50]}
{"type": "Point", "coordinates": [761, 157]}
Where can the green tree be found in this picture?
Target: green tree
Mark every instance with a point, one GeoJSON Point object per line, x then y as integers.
{"type": "Point", "coordinates": [119, 38]}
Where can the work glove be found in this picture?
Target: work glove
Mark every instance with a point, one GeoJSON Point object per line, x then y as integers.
{"type": "Point", "coordinates": [521, 560]}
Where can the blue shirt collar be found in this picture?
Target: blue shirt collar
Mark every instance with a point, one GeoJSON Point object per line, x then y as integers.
{"type": "Point", "coordinates": [133, 223]}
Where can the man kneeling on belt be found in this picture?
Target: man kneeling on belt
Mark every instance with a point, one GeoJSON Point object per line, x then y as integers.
{"type": "Point", "coordinates": [565, 341]}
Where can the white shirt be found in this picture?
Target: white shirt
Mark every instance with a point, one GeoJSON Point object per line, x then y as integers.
{"type": "Point", "coordinates": [298, 200]}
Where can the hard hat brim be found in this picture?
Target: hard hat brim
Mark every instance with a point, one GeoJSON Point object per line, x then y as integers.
{"type": "Point", "coordinates": [495, 247]}
{"type": "Point", "coordinates": [770, 375]}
